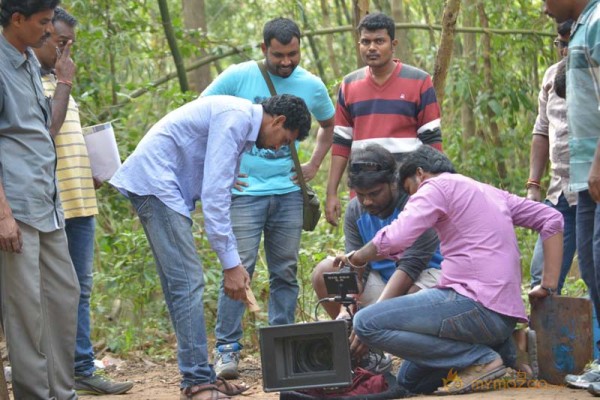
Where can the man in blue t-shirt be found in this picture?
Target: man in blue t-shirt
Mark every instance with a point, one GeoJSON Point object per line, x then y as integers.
{"type": "Point", "coordinates": [372, 174]}
{"type": "Point", "coordinates": [266, 197]}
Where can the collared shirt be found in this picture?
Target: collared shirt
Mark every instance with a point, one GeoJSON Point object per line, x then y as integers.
{"type": "Point", "coordinates": [552, 122]}
{"type": "Point", "coordinates": [27, 156]}
{"type": "Point", "coordinates": [193, 154]}
{"type": "Point", "coordinates": [583, 94]}
{"type": "Point", "coordinates": [77, 192]}
{"type": "Point", "coordinates": [475, 224]}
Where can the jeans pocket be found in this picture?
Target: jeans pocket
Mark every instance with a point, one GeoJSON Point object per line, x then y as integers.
{"type": "Point", "coordinates": [467, 327]}
{"type": "Point", "coordinates": [140, 203]}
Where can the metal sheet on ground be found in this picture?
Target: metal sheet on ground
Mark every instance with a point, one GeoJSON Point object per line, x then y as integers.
{"type": "Point", "coordinates": [564, 336]}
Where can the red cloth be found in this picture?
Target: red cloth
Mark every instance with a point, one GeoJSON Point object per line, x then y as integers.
{"type": "Point", "coordinates": [364, 382]}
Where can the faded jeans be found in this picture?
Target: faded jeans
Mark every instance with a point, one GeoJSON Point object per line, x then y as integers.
{"type": "Point", "coordinates": [180, 271]}
{"type": "Point", "coordinates": [80, 235]}
{"type": "Point", "coordinates": [569, 214]}
{"type": "Point", "coordinates": [434, 330]}
{"type": "Point", "coordinates": [280, 218]}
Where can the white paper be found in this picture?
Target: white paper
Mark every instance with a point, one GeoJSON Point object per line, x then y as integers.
{"type": "Point", "coordinates": [102, 150]}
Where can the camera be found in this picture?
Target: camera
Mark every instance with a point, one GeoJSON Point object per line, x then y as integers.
{"type": "Point", "coordinates": [311, 355]}
{"type": "Point", "coordinates": [305, 356]}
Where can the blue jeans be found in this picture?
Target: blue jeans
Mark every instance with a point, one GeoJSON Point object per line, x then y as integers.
{"type": "Point", "coordinates": [588, 245]}
{"type": "Point", "coordinates": [569, 244]}
{"type": "Point", "coordinates": [434, 330]}
{"type": "Point", "coordinates": [180, 271]}
{"type": "Point", "coordinates": [280, 217]}
{"type": "Point", "coordinates": [80, 236]}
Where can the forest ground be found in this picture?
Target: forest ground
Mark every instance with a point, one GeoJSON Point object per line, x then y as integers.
{"type": "Point", "coordinates": [160, 381]}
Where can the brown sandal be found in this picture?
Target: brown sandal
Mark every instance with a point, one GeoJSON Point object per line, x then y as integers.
{"type": "Point", "coordinates": [230, 389]}
{"type": "Point", "coordinates": [199, 392]}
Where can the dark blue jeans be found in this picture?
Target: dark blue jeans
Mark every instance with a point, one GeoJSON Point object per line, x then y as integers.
{"type": "Point", "coordinates": [588, 245]}
{"type": "Point", "coordinates": [569, 214]}
{"type": "Point", "coordinates": [80, 235]}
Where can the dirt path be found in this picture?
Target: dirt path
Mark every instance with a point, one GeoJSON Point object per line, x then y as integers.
{"type": "Point", "coordinates": [161, 382]}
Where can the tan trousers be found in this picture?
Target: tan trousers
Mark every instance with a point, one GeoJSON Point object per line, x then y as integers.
{"type": "Point", "coordinates": [40, 292]}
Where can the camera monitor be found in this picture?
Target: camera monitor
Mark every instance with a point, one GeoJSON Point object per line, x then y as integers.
{"type": "Point", "coordinates": [341, 283]}
{"type": "Point", "coordinates": [305, 356]}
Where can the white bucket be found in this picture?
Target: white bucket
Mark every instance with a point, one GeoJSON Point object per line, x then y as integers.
{"type": "Point", "coordinates": [102, 150]}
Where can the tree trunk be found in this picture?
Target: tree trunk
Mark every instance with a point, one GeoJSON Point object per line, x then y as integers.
{"type": "Point", "coordinates": [469, 127]}
{"type": "Point", "coordinates": [444, 53]}
{"type": "Point", "coordinates": [494, 132]}
{"type": "Point", "coordinates": [194, 20]}
{"type": "Point", "coordinates": [170, 34]}
{"type": "Point", "coordinates": [311, 41]}
{"type": "Point", "coordinates": [402, 49]}
{"type": "Point", "coordinates": [329, 41]}
{"type": "Point", "coordinates": [360, 9]}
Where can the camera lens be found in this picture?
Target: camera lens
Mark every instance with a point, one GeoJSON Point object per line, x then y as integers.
{"type": "Point", "coordinates": [313, 355]}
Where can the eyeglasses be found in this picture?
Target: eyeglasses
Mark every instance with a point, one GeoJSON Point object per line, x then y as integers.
{"type": "Point", "coordinates": [560, 44]}
{"type": "Point", "coordinates": [357, 167]}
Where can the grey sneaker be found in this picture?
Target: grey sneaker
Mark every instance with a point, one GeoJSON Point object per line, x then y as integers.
{"type": "Point", "coordinates": [590, 375]}
{"type": "Point", "coordinates": [227, 358]}
{"type": "Point", "coordinates": [594, 389]}
{"type": "Point", "coordinates": [97, 384]}
{"type": "Point", "coordinates": [376, 361]}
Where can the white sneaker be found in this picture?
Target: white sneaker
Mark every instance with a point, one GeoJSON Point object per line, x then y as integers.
{"type": "Point", "coordinates": [376, 361]}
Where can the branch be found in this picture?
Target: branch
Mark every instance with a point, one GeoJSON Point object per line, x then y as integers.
{"type": "Point", "coordinates": [325, 31]}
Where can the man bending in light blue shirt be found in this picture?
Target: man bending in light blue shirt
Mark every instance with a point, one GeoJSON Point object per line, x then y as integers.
{"type": "Point", "coordinates": [192, 154]}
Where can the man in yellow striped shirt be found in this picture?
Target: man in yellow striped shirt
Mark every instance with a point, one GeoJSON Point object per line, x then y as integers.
{"type": "Point", "coordinates": [77, 191]}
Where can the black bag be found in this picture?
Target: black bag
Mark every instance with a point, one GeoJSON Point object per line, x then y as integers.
{"type": "Point", "coordinates": [312, 205]}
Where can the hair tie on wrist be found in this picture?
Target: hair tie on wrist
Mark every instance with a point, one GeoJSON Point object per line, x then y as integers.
{"type": "Point", "coordinates": [531, 182]}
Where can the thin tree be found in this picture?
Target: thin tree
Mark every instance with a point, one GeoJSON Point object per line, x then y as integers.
{"type": "Point", "coordinates": [469, 53]}
{"type": "Point", "coordinates": [403, 48]}
{"type": "Point", "coordinates": [194, 20]}
{"type": "Point", "coordinates": [444, 53]}
{"type": "Point", "coordinates": [170, 34]}
{"type": "Point", "coordinates": [494, 131]}
{"type": "Point", "coordinates": [360, 8]}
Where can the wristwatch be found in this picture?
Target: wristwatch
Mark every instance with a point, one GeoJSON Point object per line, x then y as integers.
{"type": "Point", "coordinates": [550, 291]}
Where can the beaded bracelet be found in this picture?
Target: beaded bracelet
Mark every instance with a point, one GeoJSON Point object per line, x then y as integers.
{"type": "Point", "coordinates": [64, 82]}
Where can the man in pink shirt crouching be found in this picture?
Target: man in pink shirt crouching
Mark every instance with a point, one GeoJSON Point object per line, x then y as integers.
{"type": "Point", "coordinates": [462, 325]}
